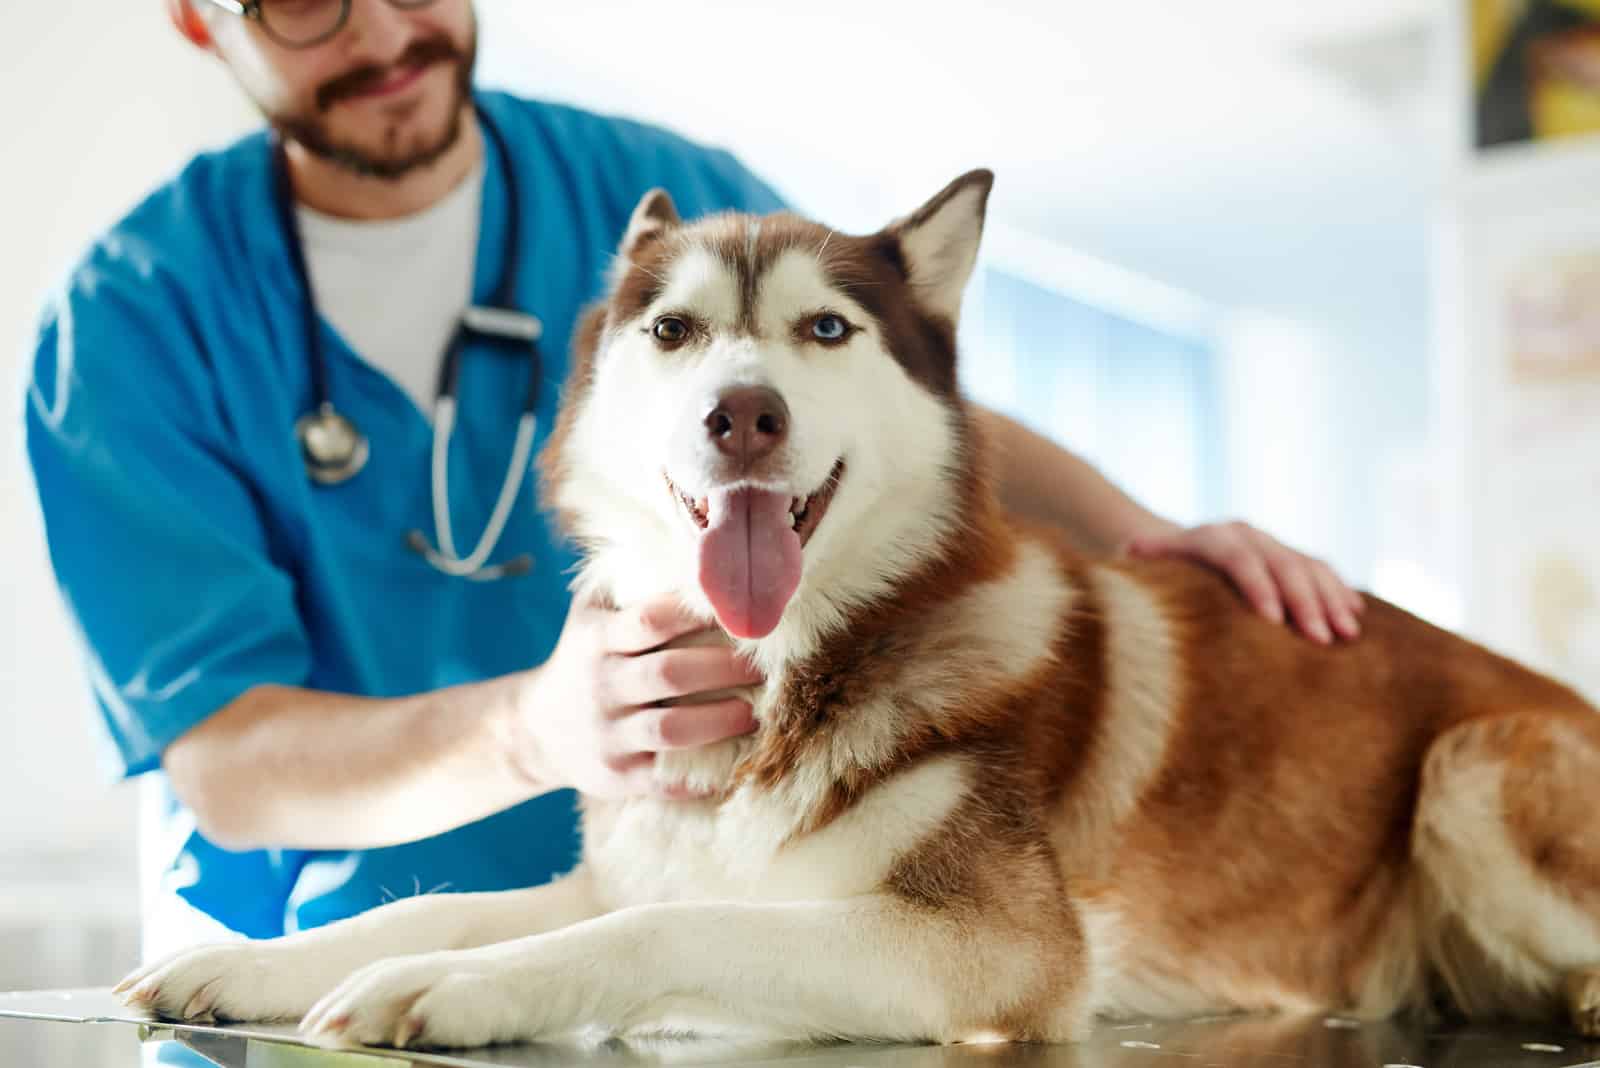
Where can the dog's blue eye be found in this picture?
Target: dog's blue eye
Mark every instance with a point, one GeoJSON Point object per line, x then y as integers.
{"type": "Point", "coordinates": [829, 328]}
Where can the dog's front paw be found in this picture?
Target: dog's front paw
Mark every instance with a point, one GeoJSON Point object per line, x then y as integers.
{"type": "Point", "coordinates": [438, 1000]}
{"type": "Point", "coordinates": [231, 981]}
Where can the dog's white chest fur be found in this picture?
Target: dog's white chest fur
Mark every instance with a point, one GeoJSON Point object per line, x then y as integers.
{"type": "Point", "coordinates": [747, 847]}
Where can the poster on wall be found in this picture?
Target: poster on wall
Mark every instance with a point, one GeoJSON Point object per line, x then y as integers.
{"type": "Point", "coordinates": [1535, 303]}
{"type": "Point", "coordinates": [1536, 69]}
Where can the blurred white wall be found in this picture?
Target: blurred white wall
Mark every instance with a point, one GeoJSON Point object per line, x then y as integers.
{"type": "Point", "coordinates": [98, 100]}
{"type": "Point", "coordinates": [1266, 165]}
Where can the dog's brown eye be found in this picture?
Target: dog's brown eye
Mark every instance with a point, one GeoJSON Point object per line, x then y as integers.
{"type": "Point", "coordinates": [670, 329]}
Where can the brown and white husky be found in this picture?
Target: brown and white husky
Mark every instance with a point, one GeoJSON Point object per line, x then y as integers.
{"type": "Point", "coordinates": [998, 789]}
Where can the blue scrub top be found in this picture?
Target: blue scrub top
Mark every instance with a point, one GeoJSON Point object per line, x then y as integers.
{"type": "Point", "coordinates": [197, 559]}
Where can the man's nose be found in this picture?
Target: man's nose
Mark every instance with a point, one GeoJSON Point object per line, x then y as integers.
{"type": "Point", "coordinates": [377, 28]}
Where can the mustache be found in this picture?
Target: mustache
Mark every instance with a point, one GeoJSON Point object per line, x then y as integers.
{"type": "Point", "coordinates": [421, 53]}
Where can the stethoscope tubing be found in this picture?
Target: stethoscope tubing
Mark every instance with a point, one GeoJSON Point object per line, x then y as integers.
{"type": "Point", "coordinates": [325, 429]}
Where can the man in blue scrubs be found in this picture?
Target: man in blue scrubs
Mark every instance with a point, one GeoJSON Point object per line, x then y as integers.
{"type": "Point", "coordinates": [336, 721]}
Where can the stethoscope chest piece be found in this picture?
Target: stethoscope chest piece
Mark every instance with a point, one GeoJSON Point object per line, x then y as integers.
{"type": "Point", "coordinates": [334, 450]}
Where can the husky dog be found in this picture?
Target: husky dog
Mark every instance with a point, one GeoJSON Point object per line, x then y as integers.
{"type": "Point", "coordinates": [998, 789]}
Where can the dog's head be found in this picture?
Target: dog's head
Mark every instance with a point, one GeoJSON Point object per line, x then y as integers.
{"type": "Point", "coordinates": [763, 415]}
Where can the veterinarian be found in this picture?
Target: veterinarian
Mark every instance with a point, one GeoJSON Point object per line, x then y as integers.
{"type": "Point", "coordinates": [326, 607]}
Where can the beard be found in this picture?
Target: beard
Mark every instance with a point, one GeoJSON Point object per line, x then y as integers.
{"type": "Point", "coordinates": [394, 159]}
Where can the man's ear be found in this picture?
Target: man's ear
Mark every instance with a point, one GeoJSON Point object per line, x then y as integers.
{"type": "Point", "coordinates": [939, 242]}
{"type": "Point", "coordinates": [190, 23]}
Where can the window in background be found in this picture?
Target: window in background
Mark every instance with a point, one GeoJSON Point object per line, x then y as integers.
{"type": "Point", "coordinates": [1140, 402]}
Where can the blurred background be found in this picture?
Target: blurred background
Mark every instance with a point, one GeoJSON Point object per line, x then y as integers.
{"type": "Point", "coordinates": [1333, 268]}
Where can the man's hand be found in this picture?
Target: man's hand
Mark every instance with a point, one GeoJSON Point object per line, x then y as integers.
{"type": "Point", "coordinates": [1268, 573]}
{"type": "Point", "coordinates": [593, 713]}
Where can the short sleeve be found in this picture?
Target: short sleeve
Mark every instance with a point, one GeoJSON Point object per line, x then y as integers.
{"type": "Point", "coordinates": [153, 531]}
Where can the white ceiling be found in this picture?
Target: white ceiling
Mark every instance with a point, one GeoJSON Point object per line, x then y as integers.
{"type": "Point", "coordinates": [1276, 23]}
{"type": "Point", "coordinates": [1227, 147]}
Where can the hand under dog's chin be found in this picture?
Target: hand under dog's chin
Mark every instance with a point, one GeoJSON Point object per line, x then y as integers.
{"type": "Point", "coordinates": [706, 770]}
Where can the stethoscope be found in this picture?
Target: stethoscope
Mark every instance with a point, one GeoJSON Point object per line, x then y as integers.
{"type": "Point", "coordinates": [334, 448]}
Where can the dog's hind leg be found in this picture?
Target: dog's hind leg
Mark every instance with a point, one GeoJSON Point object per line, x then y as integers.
{"type": "Point", "coordinates": [1507, 842]}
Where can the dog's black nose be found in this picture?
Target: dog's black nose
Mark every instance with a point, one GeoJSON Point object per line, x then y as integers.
{"type": "Point", "coordinates": [748, 423]}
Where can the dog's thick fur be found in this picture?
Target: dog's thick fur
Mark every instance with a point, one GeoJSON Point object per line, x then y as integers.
{"type": "Point", "coordinates": [998, 788]}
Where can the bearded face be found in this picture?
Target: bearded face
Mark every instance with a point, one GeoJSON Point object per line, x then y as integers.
{"type": "Point", "coordinates": [384, 96]}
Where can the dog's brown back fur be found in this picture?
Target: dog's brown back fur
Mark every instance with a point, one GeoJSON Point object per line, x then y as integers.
{"type": "Point", "coordinates": [1268, 856]}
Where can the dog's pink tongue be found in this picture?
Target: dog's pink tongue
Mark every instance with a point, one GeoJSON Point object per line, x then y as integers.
{"type": "Point", "coordinates": [749, 561]}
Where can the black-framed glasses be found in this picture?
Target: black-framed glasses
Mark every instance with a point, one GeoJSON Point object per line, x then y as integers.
{"type": "Point", "coordinates": [302, 23]}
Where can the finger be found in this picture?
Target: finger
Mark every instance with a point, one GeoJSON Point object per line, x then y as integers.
{"type": "Point", "coordinates": [674, 673]}
{"type": "Point", "coordinates": [678, 791]}
{"type": "Point", "coordinates": [1235, 550]}
{"type": "Point", "coordinates": [682, 726]}
{"type": "Point", "coordinates": [1135, 547]}
{"type": "Point", "coordinates": [1248, 570]}
{"type": "Point", "coordinates": [1148, 545]}
{"type": "Point", "coordinates": [1293, 574]}
{"type": "Point", "coordinates": [635, 775]}
{"type": "Point", "coordinates": [1230, 548]}
{"type": "Point", "coordinates": [651, 625]}
{"type": "Point", "coordinates": [1336, 598]}
{"type": "Point", "coordinates": [659, 730]}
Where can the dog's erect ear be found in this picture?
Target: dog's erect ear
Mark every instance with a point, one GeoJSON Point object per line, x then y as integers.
{"type": "Point", "coordinates": [653, 216]}
{"type": "Point", "coordinates": [939, 242]}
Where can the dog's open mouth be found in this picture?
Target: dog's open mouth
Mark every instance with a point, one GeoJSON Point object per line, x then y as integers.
{"type": "Point", "coordinates": [804, 512]}
{"type": "Point", "coordinates": [750, 548]}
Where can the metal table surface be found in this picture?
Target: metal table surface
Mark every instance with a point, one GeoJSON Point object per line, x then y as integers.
{"type": "Point", "coordinates": [126, 1038]}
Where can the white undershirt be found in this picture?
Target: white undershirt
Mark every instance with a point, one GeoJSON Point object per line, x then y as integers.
{"type": "Point", "coordinates": [395, 288]}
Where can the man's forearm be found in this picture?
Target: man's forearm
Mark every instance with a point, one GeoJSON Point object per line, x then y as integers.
{"type": "Point", "coordinates": [1039, 480]}
{"type": "Point", "coordinates": [290, 768]}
